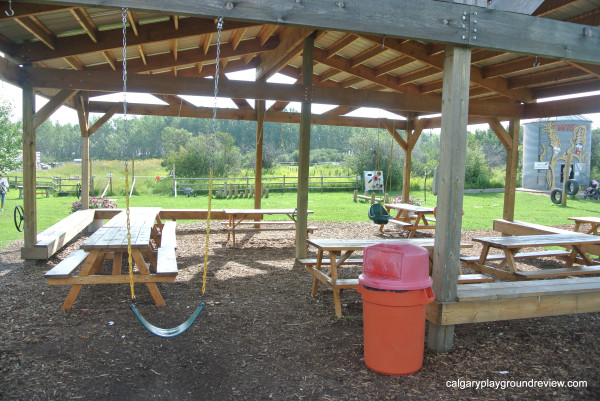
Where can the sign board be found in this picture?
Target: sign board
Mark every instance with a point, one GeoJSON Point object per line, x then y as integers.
{"type": "Point", "coordinates": [374, 180]}
{"type": "Point", "coordinates": [540, 165]}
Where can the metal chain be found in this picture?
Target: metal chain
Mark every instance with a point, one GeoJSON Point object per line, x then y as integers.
{"type": "Point", "coordinates": [125, 135]}
{"type": "Point", "coordinates": [216, 92]}
{"type": "Point", "coordinates": [210, 179]}
{"type": "Point", "coordinates": [124, 20]}
{"type": "Point", "coordinates": [12, 12]}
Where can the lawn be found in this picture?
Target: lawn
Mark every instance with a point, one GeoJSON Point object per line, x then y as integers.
{"type": "Point", "coordinates": [480, 209]}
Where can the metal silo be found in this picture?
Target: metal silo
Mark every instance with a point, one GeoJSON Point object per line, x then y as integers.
{"type": "Point", "coordinates": [548, 144]}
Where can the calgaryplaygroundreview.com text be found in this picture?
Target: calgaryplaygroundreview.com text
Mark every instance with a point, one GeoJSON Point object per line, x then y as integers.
{"type": "Point", "coordinates": [504, 384]}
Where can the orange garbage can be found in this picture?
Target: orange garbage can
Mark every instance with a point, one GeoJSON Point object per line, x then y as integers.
{"type": "Point", "coordinates": [395, 287]}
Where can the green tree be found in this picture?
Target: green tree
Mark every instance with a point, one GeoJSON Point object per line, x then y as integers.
{"type": "Point", "coordinates": [173, 139]}
{"type": "Point", "coordinates": [10, 140]}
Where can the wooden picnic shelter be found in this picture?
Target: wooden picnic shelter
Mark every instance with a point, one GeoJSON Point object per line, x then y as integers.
{"type": "Point", "coordinates": [473, 61]}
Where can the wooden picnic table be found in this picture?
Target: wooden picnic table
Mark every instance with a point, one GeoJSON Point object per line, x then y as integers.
{"type": "Point", "coordinates": [512, 247]}
{"type": "Point", "coordinates": [594, 223]}
{"type": "Point", "coordinates": [339, 250]}
{"type": "Point", "coordinates": [411, 217]}
{"type": "Point", "coordinates": [39, 190]}
{"type": "Point", "coordinates": [110, 242]}
{"type": "Point", "coordinates": [251, 220]}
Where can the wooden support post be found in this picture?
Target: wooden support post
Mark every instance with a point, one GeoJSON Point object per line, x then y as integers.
{"type": "Point", "coordinates": [355, 197]}
{"type": "Point", "coordinates": [260, 119]}
{"type": "Point", "coordinates": [410, 123]}
{"type": "Point", "coordinates": [451, 179]}
{"type": "Point", "coordinates": [512, 162]}
{"type": "Point", "coordinates": [174, 183]}
{"type": "Point", "coordinates": [83, 114]}
{"type": "Point", "coordinates": [304, 148]}
{"type": "Point", "coordinates": [29, 174]}
{"type": "Point", "coordinates": [372, 197]}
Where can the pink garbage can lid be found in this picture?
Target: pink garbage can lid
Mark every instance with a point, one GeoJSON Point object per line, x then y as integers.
{"type": "Point", "coordinates": [395, 266]}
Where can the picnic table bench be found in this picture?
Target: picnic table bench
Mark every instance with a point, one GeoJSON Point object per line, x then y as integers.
{"type": "Point", "coordinates": [239, 221]}
{"type": "Point", "coordinates": [410, 217]}
{"type": "Point", "coordinates": [339, 252]}
{"type": "Point", "coordinates": [110, 243]}
{"type": "Point", "coordinates": [511, 247]}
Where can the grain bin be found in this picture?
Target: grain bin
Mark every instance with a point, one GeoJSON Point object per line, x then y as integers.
{"type": "Point", "coordinates": [548, 143]}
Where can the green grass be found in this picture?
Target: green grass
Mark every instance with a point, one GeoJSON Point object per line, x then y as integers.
{"type": "Point", "coordinates": [480, 209]}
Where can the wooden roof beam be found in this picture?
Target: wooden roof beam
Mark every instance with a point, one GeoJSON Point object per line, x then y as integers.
{"type": "Point", "coordinates": [193, 56]}
{"type": "Point", "coordinates": [516, 65]}
{"type": "Point", "coordinates": [86, 23]}
{"type": "Point", "coordinates": [74, 62]}
{"type": "Point", "coordinates": [265, 33]}
{"type": "Point", "coordinates": [30, 9]}
{"type": "Point", "coordinates": [110, 59]}
{"type": "Point", "coordinates": [570, 88]}
{"type": "Point", "coordinates": [418, 51]}
{"type": "Point", "coordinates": [550, 6]}
{"type": "Point", "coordinates": [237, 36]}
{"type": "Point", "coordinates": [501, 133]}
{"type": "Point", "coordinates": [291, 42]}
{"type": "Point", "coordinates": [53, 104]}
{"type": "Point", "coordinates": [363, 71]}
{"type": "Point", "coordinates": [547, 77]}
{"type": "Point", "coordinates": [366, 56]}
{"type": "Point", "coordinates": [133, 22]}
{"type": "Point", "coordinates": [341, 44]}
{"type": "Point", "coordinates": [392, 65]}
{"type": "Point", "coordinates": [565, 107]}
{"type": "Point", "coordinates": [39, 30]}
{"type": "Point", "coordinates": [412, 19]}
{"type": "Point", "coordinates": [109, 81]}
{"type": "Point", "coordinates": [113, 39]}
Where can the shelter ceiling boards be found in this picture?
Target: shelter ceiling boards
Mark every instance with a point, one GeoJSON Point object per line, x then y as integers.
{"type": "Point", "coordinates": [415, 19]}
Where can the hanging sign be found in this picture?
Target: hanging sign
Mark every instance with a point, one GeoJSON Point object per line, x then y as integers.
{"type": "Point", "coordinates": [373, 180]}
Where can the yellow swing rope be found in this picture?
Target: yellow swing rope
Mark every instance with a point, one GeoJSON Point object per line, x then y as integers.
{"type": "Point", "coordinates": [210, 189]}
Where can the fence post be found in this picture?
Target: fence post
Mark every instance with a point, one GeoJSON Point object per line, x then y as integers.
{"type": "Point", "coordinates": [283, 184]}
{"type": "Point", "coordinates": [373, 197]}
{"type": "Point", "coordinates": [266, 192]}
{"type": "Point", "coordinates": [321, 184]}
{"type": "Point", "coordinates": [251, 193]}
{"type": "Point", "coordinates": [174, 183]}
{"type": "Point", "coordinates": [386, 198]}
{"type": "Point", "coordinates": [355, 197]}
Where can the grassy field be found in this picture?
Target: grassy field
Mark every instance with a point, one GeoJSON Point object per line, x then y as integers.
{"type": "Point", "coordinates": [480, 209]}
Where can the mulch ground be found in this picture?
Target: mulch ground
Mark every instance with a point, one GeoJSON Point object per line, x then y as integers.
{"type": "Point", "coordinates": [262, 336]}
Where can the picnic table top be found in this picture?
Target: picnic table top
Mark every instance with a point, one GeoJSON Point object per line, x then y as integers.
{"type": "Point", "coordinates": [586, 219]}
{"type": "Point", "coordinates": [342, 244]}
{"type": "Point", "coordinates": [409, 207]}
{"type": "Point", "coordinates": [113, 234]}
{"type": "Point", "coordinates": [521, 241]}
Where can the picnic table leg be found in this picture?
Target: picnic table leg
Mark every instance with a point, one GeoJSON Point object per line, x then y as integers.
{"type": "Point", "coordinates": [594, 229]}
{"type": "Point", "coordinates": [88, 265]}
{"type": "Point", "coordinates": [154, 292]}
{"type": "Point", "coordinates": [337, 301]}
{"type": "Point", "coordinates": [117, 263]}
{"type": "Point", "coordinates": [318, 267]}
{"type": "Point", "coordinates": [578, 252]}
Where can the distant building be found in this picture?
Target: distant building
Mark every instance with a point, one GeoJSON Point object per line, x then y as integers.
{"type": "Point", "coordinates": [548, 144]}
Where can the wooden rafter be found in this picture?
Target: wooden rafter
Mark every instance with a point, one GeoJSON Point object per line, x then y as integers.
{"type": "Point", "coordinates": [340, 45]}
{"type": "Point", "coordinates": [265, 33]}
{"type": "Point", "coordinates": [39, 30]}
{"type": "Point", "coordinates": [291, 41]}
{"type": "Point", "coordinates": [362, 71]}
{"type": "Point", "coordinates": [113, 39]}
{"type": "Point", "coordinates": [392, 65]}
{"type": "Point", "coordinates": [366, 56]}
{"type": "Point", "coordinates": [30, 9]}
{"type": "Point", "coordinates": [110, 59]}
{"type": "Point", "coordinates": [552, 76]}
{"type": "Point", "coordinates": [86, 23]}
{"type": "Point", "coordinates": [133, 22]}
{"type": "Point", "coordinates": [74, 62]}
{"type": "Point", "coordinates": [517, 65]}
{"type": "Point", "coordinates": [550, 6]}
{"type": "Point", "coordinates": [237, 36]}
{"type": "Point", "coordinates": [418, 51]}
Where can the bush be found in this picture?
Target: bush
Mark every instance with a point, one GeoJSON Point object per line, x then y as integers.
{"type": "Point", "coordinates": [94, 203]}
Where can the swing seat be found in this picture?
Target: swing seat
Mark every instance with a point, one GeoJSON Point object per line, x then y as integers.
{"type": "Point", "coordinates": [171, 332]}
{"type": "Point", "coordinates": [378, 214]}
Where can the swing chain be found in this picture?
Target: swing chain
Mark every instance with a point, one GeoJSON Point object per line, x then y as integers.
{"type": "Point", "coordinates": [218, 62]}
{"type": "Point", "coordinates": [12, 12]}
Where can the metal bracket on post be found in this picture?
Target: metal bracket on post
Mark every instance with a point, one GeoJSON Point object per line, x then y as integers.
{"type": "Point", "coordinates": [309, 94]}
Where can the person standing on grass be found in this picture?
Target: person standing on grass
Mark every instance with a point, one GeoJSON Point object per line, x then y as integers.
{"type": "Point", "coordinates": [3, 190]}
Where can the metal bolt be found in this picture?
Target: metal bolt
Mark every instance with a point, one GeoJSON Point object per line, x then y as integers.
{"type": "Point", "coordinates": [464, 18]}
{"type": "Point", "coordinates": [464, 37]}
{"type": "Point", "coordinates": [463, 26]}
{"type": "Point", "coordinates": [229, 5]}
{"type": "Point", "coordinates": [474, 37]}
{"type": "Point", "coordinates": [587, 32]}
{"type": "Point", "coordinates": [445, 21]}
{"type": "Point", "coordinates": [340, 4]}
{"type": "Point", "coordinates": [475, 13]}
{"type": "Point", "coordinates": [474, 21]}
{"type": "Point", "coordinates": [464, 13]}
{"type": "Point", "coordinates": [475, 30]}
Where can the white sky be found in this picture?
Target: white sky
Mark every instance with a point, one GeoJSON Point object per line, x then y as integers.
{"type": "Point", "coordinates": [64, 115]}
